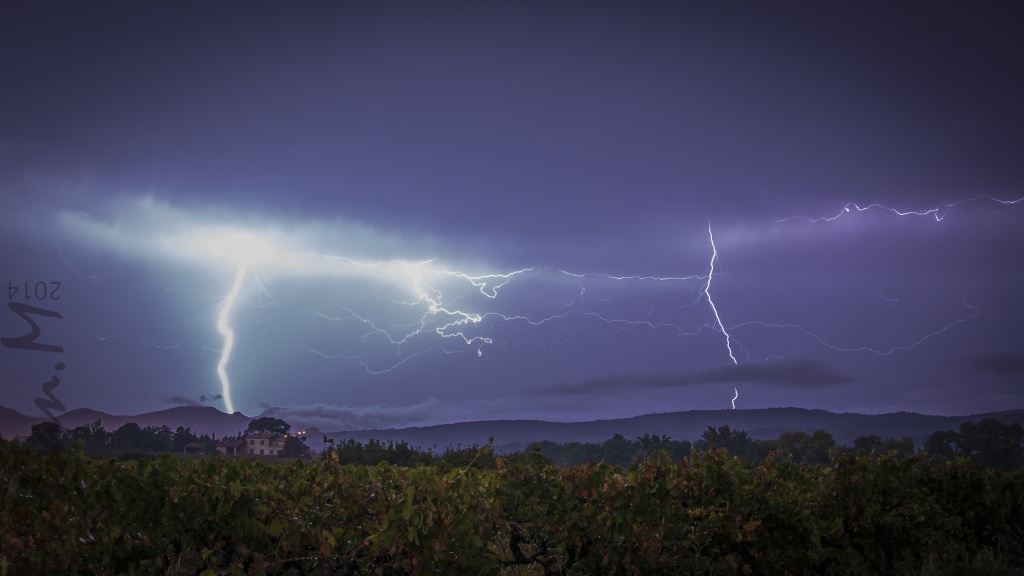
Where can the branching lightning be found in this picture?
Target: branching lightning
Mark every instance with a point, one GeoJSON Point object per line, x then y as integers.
{"type": "Point", "coordinates": [468, 312]}
{"type": "Point", "coordinates": [867, 349]}
{"type": "Point", "coordinates": [893, 302]}
{"type": "Point", "coordinates": [378, 315]}
{"type": "Point", "coordinates": [939, 212]}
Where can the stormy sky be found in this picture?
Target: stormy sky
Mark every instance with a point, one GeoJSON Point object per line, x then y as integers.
{"type": "Point", "coordinates": [445, 211]}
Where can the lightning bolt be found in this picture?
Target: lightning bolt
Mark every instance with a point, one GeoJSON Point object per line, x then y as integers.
{"type": "Point", "coordinates": [711, 303]}
{"type": "Point", "coordinates": [68, 264]}
{"type": "Point", "coordinates": [867, 349]}
{"type": "Point", "coordinates": [737, 391]}
{"type": "Point", "coordinates": [434, 309]}
{"type": "Point", "coordinates": [938, 212]}
{"type": "Point", "coordinates": [245, 250]}
{"type": "Point", "coordinates": [893, 302]}
{"type": "Point", "coordinates": [420, 307]}
{"type": "Point", "coordinates": [224, 327]}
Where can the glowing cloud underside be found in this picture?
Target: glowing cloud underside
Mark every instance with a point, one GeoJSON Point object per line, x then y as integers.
{"type": "Point", "coordinates": [456, 306]}
{"type": "Point", "coordinates": [245, 250]}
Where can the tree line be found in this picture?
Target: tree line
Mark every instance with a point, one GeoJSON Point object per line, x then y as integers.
{"type": "Point", "coordinates": [131, 441]}
{"type": "Point", "coordinates": [989, 443]}
{"type": "Point", "coordinates": [127, 440]}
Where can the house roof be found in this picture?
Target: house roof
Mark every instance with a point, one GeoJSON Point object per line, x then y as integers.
{"type": "Point", "coordinates": [231, 442]}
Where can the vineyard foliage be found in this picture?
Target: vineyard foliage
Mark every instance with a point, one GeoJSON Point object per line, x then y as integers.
{"type": "Point", "coordinates": [704, 514]}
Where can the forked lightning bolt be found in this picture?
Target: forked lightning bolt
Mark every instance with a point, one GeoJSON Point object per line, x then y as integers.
{"type": "Point", "coordinates": [245, 250]}
{"type": "Point", "coordinates": [441, 302]}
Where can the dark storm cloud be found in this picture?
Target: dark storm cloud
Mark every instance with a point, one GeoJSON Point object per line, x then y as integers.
{"type": "Point", "coordinates": [179, 400]}
{"type": "Point", "coordinates": [796, 373]}
{"type": "Point", "coordinates": [483, 139]}
{"type": "Point", "coordinates": [781, 373]}
{"type": "Point", "coordinates": [352, 418]}
{"type": "Point", "coordinates": [203, 400]}
{"type": "Point", "coordinates": [995, 363]}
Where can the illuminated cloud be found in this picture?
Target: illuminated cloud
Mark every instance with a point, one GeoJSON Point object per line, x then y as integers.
{"type": "Point", "coordinates": [464, 210]}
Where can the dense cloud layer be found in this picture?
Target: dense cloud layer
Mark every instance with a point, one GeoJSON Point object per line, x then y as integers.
{"type": "Point", "coordinates": [515, 211]}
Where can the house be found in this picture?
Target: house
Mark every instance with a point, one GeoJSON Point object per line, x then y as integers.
{"type": "Point", "coordinates": [232, 446]}
{"type": "Point", "coordinates": [264, 444]}
{"type": "Point", "coordinates": [256, 444]}
{"type": "Point", "coordinates": [195, 448]}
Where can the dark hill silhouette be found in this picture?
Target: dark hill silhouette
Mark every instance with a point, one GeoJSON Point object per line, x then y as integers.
{"type": "Point", "coordinates": [200, 419]}
{"type": "Point", "coordinates": [766, 423]}
{"type": "Point", "coordinates": [510, 435]}
{"type": "Point", "coordinates": [14, 423]}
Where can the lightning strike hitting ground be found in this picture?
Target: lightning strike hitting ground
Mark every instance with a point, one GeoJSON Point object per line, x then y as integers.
{"type": "Point", "coordinates": [245, 250]}
{"type": "Point", "coordinates": [224, 327]}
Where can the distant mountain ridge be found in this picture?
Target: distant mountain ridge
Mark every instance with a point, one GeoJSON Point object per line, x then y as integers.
{"type": "Point", "coordinates": [199, 419]}
{"type": "Point", "coordinates": [764, 423]}
{"type": "Point", "coordinates": [511, 435]}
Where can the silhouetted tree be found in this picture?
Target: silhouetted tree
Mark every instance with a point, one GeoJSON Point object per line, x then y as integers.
{"type": "Point", "coordinates": [987, 443]}
{"type": "Point", "coordinates": [875, 445]}
{"type": "Point", "coordinates": [156, 438]}
{"type": "Point", "coordinates": [736, 442]}
{"type": "Point", "coordinates": [94, 438]}
{"type": "Point", "coordinates": [942, 444]}
{"type": "Point", "coordinates": [811, 448]}
{"type": "Point", "coordinates": [126, 437]}
{"type": "Point", "coordinates": [993, 444]}
{"type": "Point", "coordinates": [46, 436]}
{"type": "Point", "coordinates": [294, 447]}
{"type": "Point", "coordinates": [182, 436]}
{"type": "Point", "coordinates": [269, 425]}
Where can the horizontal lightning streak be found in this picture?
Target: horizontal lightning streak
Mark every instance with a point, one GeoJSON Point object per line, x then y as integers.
{"type": "Point", "coordinates": [428, 283]}
{"type": "Point", "coordinates": [867, 349]}
{"type": "Point", "coordinates": [361, 362]}
{"type": "Point", "coordinates": [939, 212]}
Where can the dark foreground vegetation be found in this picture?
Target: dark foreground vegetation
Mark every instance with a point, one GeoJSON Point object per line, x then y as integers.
{"type": "Point", "coordinates": [63, 512]}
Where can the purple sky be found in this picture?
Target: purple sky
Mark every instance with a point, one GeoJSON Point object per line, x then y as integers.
{"type": "Point", "coordinates": [506, 211]}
